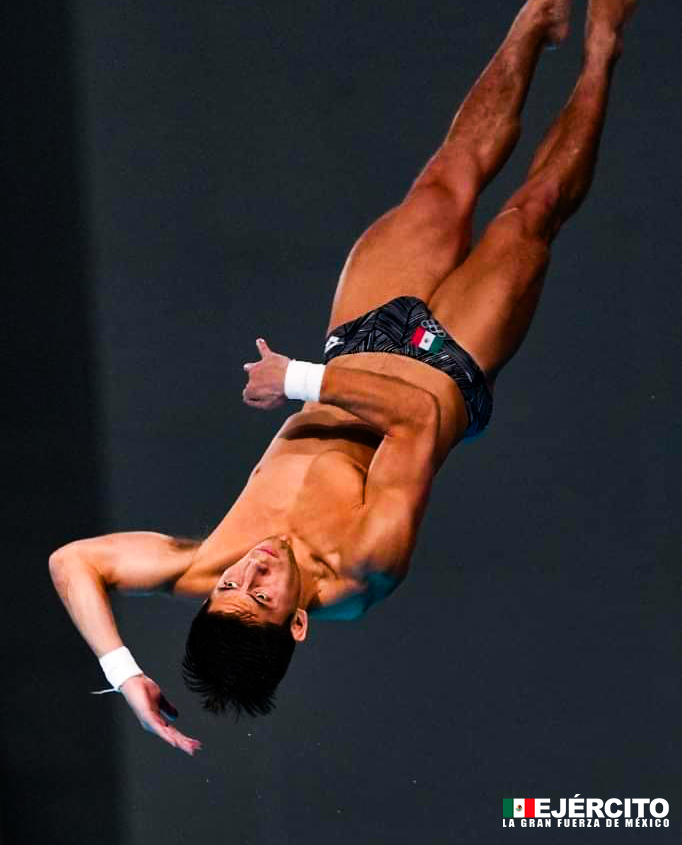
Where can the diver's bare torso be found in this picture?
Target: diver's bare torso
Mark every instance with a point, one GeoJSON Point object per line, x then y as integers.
{"type": "Point", "coordinates": [310, 482]}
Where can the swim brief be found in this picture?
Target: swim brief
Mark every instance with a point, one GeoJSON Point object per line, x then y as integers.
{"type": "Point", "coordinates": [406, 326]}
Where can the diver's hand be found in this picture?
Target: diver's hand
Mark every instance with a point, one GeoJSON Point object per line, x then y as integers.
{"type": "Point", "coordinates": [265, 389]}
{"type": "Point", "coordinates": [154, 711]}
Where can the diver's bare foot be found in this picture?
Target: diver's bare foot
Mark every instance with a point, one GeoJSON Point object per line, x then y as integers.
{"type": "Point", "coordinates": [550, 16]}
{"type": "Point", "coordinates": [605, 22]}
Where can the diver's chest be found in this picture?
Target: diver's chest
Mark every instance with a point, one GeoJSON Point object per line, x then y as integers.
{"type": "Point", "coordinates": [321, 486]}
{"type": "Point", "coordinates": [332, 480]}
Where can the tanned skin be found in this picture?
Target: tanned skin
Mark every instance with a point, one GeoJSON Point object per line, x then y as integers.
{"type": "Point", "coordinates": [328, 519]}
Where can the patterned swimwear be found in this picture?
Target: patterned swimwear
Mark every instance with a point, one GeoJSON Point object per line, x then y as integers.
{"type": "Point", "coordinates": [406, 326]}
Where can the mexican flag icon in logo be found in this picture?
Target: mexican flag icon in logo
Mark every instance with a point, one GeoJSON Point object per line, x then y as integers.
{"type": "Point", "coordinates": [424, 339]}
{"type": "Point", "coordinates": [518, 808]}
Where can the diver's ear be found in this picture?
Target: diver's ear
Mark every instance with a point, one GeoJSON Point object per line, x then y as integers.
{"type": "Point", "coordinates": [299, 625]}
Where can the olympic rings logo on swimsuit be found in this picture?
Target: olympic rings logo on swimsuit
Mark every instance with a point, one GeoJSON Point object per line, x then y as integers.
{"type": "Point", "coordinates": [433, 327]}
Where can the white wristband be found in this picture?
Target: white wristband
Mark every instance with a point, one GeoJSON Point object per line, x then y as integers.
{"type": "Point", "coordinates": [303, 380]}
{"type": "Point", "coordinates": [118, 666]}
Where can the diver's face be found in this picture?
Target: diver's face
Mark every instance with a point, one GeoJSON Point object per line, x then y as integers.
{"type": "Point", "coordinates": [264, 585]}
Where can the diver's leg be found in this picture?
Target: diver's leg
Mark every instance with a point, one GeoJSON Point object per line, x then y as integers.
{"type": "Point", "coordinates": [413, 246]}
{"type": "Point", "coordinates": [487, 126]}
{"type": "Point", "coordinates": [489, 301]}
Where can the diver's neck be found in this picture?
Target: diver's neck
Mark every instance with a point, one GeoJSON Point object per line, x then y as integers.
{"type": "Point", "coordinates": [313, 570]}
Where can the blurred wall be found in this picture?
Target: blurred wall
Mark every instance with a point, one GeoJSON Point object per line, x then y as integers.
{"type": "Point", "coordinates": [59, 767]}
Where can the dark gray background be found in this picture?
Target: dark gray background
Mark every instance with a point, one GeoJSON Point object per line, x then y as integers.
{"type": "Point", "coordinates": [185, 177]}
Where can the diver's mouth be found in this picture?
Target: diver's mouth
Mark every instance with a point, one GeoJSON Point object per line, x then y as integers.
{"type": "Point", "coordinates": [265, 549]}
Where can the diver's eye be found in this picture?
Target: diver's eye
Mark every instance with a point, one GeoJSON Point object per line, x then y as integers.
{"type": "Point", "coordinates": [230, 585]}
{"type": "Point", "coordinates": [261, 596]}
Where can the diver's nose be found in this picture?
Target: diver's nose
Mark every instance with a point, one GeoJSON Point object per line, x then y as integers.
{"type": "Point", "coordinates": [258, 566]}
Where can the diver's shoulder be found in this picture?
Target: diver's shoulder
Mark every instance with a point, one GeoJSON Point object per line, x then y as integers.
{"type": "Point", "coordinates": [351, 596]}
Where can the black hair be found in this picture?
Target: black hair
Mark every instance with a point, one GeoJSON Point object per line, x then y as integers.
{"type": "Point", "coordinates": [236, 663]}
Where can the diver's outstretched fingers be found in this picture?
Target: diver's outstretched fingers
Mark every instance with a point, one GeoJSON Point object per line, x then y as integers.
{"type": "Point", "coordinates": [179, 740]}
{"type": "Point", "coordinates": [146, 700]}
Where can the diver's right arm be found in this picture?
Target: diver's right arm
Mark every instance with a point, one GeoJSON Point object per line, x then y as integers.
{"type": "Point", "coordinates": [85, 571]}
{"type": "Point", "coordinates": [84, 595]}
{"type": "Point", "coordinates": [386, 402]}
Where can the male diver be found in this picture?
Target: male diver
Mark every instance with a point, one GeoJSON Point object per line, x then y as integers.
{"type": "Point", "coordinates": [421, 326]}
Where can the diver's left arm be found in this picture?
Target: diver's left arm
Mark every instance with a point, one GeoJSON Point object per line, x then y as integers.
{"type": "Point", "coordinates": [384, 528]}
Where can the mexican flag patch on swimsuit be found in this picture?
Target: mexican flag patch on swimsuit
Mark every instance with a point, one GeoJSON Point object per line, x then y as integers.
{"type": "Point", "coordinates": [427, 340]}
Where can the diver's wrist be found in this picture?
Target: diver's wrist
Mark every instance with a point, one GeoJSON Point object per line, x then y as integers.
{"type": "Point", "coordinates": [303, 380]}
{"type": "Point", "coordinates": [119, 665]}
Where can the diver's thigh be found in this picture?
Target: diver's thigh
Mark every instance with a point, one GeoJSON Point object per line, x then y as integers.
{"type": "Point", "coordinates": [488, 303]}
{"type": "Point", "coordinates": [406, 252]}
